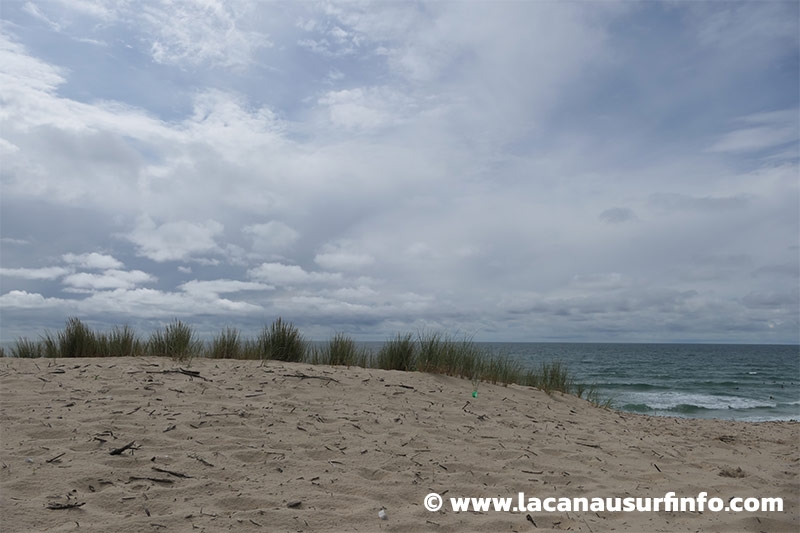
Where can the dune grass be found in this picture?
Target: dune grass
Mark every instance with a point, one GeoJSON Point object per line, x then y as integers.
{"type": "Point", "coordinates": [176, 340]}
{"type": "Point", "coordinates": [226, 345]}
{"type": "Point", "coordinates": [340, 350]}
{"type": "Point", "coordinates": [399, 353]}
{"type": "Point", "coordinates": [120, 342]}
{"type": "Point", "coordinates": [77, 340]}
{"type": "Point", "coordinates": [25, 348]}
{"type": "Point", "coordinates": [281, 341]}
{"type": "Point", "coordinates": [550, 377]}
{"type": "Point", "coordinates": [432, 352]}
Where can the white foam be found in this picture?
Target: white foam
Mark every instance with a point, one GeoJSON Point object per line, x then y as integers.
{"type": "Point", "coordinates": [668, 400]}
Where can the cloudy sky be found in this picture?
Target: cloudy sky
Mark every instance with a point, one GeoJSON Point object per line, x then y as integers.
{"type": "Point", "coordinates": [529, 171]}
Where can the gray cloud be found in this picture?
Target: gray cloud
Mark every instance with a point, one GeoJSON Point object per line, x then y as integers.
{"type": "Point", "coordinates": [682, 202]}
{"type": "Point", "coordinates": [617, 215]}
{"type": "Point", "coordinates": [379, 167]}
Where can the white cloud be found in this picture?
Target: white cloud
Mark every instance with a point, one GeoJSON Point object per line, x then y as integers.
{"type": "Point", "coordinates": [27, 300]}
{"type": "Point", "coordinates": [15, 242]}
{"type": "Point", "coordinates": [110, 279]}
{"type": "Point", "coordinates": [35, 273]}
{"type": "Point", "coordinates": [92, 260]}
{"type": "Point", "coordinates": [272, 236]}
{"type": "Point", "coordinates": [124, 304]}
{"type": "Point", "coordinates": [21, 73]}
{"type": "Point", "coordinates": [193, 33]}
{"type": "Point", "coordinates": [222, 286]}
{"type": "Point", "coordinates": [175, 241]}
{"type": "Point", "coordinates": [340, 257]}
{"type": "Point", "coordinates": [33, 11]}
{"type": "Point", "coordinates": [764, 130]}
{"type": "Point", "coordinates": [151, 303]}
{"type": "Point", "coordinates": [104, 10]}
{"type": "Point", "coordinates": [365, 108]}
{"type": "Point", "coordinates": [281, 274]}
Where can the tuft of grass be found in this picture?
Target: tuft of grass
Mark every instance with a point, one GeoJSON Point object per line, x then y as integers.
{"type": "Point", "coordinates": [25, 348]}
{"type": "Point", "coordinates": [177, 340]}
{"type": "Point", "coordinates": [399, 353]}
{"type": "Point", "coordinates": [340, 350]}
{"type": "Point", "coordinates": [432, 353]}
{"type": "Point", "coordinates": [226, 345]}
{"type": "Point", "coordinates": [77, 340]}
{"type": "Point", "coordinates": [250, 349]}
{"type": "Point", "coordinates": [49, 345]}
{"type": "Point", "coordinates": [593, 397]}
{"type": "Point", "coordinates": [501, 369]}
{"type": "Point", "coordinates": [440, 354]}
{"type": "Point", "coordinates": [120, 342]}
{"type": "Point", "coordinates": [550, 377]}
{"type": "Point", "coordinates": [281, 341]}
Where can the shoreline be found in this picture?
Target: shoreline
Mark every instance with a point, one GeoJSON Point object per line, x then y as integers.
{"type": "Point", "coordinates": [345, 442]}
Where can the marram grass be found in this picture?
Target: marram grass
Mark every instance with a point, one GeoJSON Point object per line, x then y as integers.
{"type": "Point", "coordinates": [340, 350]}
{"type": "Point", "coordinates": [176, 340]}
{"type": "Point", "coordinates": [432, 352]}
{"type": "Point", "coordinates": [399, 353]}
{"type": "Point", "coordinates": [281, 341]}
{"type": "Point", "coordinates": [226, 345]}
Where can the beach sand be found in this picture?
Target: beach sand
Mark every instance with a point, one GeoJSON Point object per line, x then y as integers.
{"type": "Point", "coordinates": [296, 447]}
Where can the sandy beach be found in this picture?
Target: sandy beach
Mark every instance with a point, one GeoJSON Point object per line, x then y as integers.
{"type": "Point", "coordinates": [223, 445]}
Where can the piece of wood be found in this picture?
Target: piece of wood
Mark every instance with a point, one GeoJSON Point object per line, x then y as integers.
{"type": "Point", "coordinates": [171, 473]}
{"type": "Point", "coordinates": [306, 376]}
{"type": "Point", "coordinates": [185, 372]}
{"type": "Point", "coordinates": [56, 506]}
{"type": "Point", "coordinates": [52, 460]}
{"type": "Point", "coordinates": [153, 479]}
{"type": "Point", "coordinates": [118, 451]}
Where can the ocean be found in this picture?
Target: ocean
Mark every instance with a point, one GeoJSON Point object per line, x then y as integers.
{"type": "Point", "coordinates": [732, 382]}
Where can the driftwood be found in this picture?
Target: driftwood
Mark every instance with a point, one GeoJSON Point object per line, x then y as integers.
{"type": "Point", "coordinates": [153, 479]}
{"type": "Point", "coordinates": [185, 372]}
{"type": "Point", "coordinates": [399, 385]}
{"type": "Point", "coordinates": [118, 451]}
{"type": "Point", "coordinates": [306, 376]}
{"type": "Point", "coordinates": [56, 506]}
{"type": "Point", "coordinates": [170, 472]}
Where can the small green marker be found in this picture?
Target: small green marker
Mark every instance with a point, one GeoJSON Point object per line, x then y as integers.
{"type": "Point", "coordinates": [474, 394]}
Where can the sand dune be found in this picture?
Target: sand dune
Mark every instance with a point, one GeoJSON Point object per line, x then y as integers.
{"type": "Point", "coordinates": [295, 447]}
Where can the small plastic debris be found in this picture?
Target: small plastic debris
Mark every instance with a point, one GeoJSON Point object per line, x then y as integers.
{"type": "Point", "coordinates": [382, 514]}
{"type": "Point", "coordinates": [28, 460]}
{"type": "Point", "coordinates": [474, 394]}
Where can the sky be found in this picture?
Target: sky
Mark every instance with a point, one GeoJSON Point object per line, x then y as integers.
{"type": "Point", "coordinates": [506, 171]}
